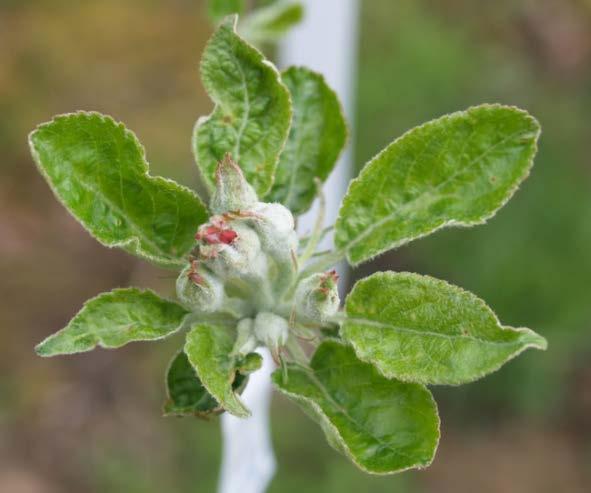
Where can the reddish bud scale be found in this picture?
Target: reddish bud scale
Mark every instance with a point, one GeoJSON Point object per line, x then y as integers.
{"type": "Point", "coordinates": [193, 275]}
{"type": "Point", "coordinates": [214, 235]}
{"type": "Point", "coordinates": [328, 282]}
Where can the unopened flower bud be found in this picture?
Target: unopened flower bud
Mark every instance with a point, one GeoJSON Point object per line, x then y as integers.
{"type": "Point", "coordinates": [274, 224]}
{"type": "Point", "coordinates": [272, 330]}
{"type": "Point", "coordinates": [232, 251]}
{"type": "Point", "coordinates": [249, 363]}
{"type": "Point", "coordinates": [317, 297]}
{"type": "Point", "coordinates": [198, 289]}
{"type": "Point", "coordinates": [246, 341]}
{"type": "Point", "coordinates": [232, 192]}
{"type": "Point", "coordinates": [276, 215]}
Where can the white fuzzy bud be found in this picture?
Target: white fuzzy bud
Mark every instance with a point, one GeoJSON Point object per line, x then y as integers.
{"type": "Point", "coordinates": [246, 341]}
{"type": "Point", "coordinates": [317, 297]}
{"type": "Point", "coordinates": [271, 330]}
{"type": "Point", "coordinates": [232, 192]}
{"type": "Point", "coordinates": [274, 224]}
{"type": "Point", "coordinates": [199, 290]}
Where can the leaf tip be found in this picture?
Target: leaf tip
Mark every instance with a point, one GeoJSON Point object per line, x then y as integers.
{"type": "Point", "coordinates": [43, 350]}
{"type": "Point", "coordinates": [533, 339]}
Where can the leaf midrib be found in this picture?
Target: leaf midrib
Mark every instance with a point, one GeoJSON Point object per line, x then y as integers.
{"type": "Point", "coordinates": [382, 325]}
{"type": "Point", "coordinates": [132, 224]}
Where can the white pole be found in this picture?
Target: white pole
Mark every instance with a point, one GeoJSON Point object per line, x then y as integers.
{"type": "Point", "coordinates": [248, 463]}
{"type": "Point", "coordinates": [326, 41]}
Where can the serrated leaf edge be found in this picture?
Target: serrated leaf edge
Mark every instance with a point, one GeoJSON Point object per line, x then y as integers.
{"type": "Point", "coordinates": [541, 343]}
{"type": "Point", "coordinates": [240, 410]}
{"type": "Point", "coordinates": [320, 77]}
{"type": "Point", "coordinates": [327, 422]}
{"type": "Point", "coordinates": [99, 344]}
{"type": "Point", "coordinates": [451, 223]}
{"type": "Point", "coordinates": [233, 18]}
{"type": "Point", "coordinates": [132, 244]}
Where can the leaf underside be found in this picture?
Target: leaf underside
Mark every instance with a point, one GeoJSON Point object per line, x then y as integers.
{"type": "Point", "coordinates": [208, 349]}
{"type": "Point", "coordinates": [252, 111]}
{"type": "Point", "coordinates": [384, 426]}
{"type": "Point", "coordinates": [419, 329]}
{"type": "Point", "coordinates": [186, 394]}
{"type": "Point", "coordinates": [457, 170]}
{"type": "Point", "coordinates": [317, 136]}
{"type": "Point", "coordinates": [114, 319]}
{"type": "Point", "coordinates": [98, 170]}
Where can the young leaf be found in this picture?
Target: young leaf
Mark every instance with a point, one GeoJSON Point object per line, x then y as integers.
{"type": "Point", "coordinates": [419, 329]}
{"type": "Point", "coordinates": [317, 136]}
{"type": "Point", "coordinates": [186, 394]}
{"type": "Point", "coordinates": [252, 111]}
{"type": "Point", "coordinates": [208, 348]}
{"type": "Point", "coordinates": [457, 170]}
{"type": "Point", "coordinates": [113, 319]}
{"type": "Point", "coordinates": [384, 426]}
{"type": "Point", "coordinates": [98, 170]}
{"type": "Point", "coordinates": [218, 9]}
{"type": "Point", "coordinates": [270, 23]}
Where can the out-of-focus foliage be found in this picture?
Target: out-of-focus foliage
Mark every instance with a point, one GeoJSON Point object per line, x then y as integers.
{"type": "Point", "coordinates": [270, 23]}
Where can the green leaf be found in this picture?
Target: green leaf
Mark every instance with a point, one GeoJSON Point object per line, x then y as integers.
{"type": "Point", "coordinates": [218, 9]}
{"type": "Point", "coordinates": [113, 319]}
{"type": "Point", "coordinates": [384, 426]}
{"type": "Point", "coordinates": [208, 348]}
{"type": "Point", "coordinates": [419, 329]}
{"type": "Point", "coordinates": [317, 136]}
{"type": "Point", "coordinates": [186, 394]}
{"type": "Point", "coordinates": [270, 23]}
{"type": "Point", "coordinates": [252, 111]}
{"type": "Point", "coordinates": [457, 170]}
{"type": "Point", "coordinates": [98, 170]}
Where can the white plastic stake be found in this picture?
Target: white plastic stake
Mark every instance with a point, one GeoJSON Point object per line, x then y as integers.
{"type": "Point", "coordinates": [248, 463]}
{"type": "Point", "coordinates": [326, 41]}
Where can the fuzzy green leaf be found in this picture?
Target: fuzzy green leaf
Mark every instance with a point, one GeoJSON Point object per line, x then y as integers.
{"type": "Point", "coordinates": [218, 9]}
{"type": "Point", "coordinates": [317, 136]}
{"type": "Point", "coordinates": [186, 394]}
{"type": "Point", "coordinates": [457, 170]}
{"type": "Point", "coordinates": [384, 426]}
{"type": "Point", "coordinates": [113, 319]}
{"type": "Point", "coordinates": [420, 329]}
{"type": "Point", "coordinates": [252, 111]}
{"type": "Point", "coordinates": [98, 170]}
{"type": "Point", "coordinates": [270, 23]}
{"type": "Point", "coordinates": [208, 348]}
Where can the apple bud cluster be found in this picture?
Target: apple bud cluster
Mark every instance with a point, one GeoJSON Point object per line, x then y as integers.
{"type": "Point", "coordinates": [244, 263]}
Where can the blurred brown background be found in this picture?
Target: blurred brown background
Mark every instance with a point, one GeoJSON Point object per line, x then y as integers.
{"type": "Point", "coordinates": [91, 423]}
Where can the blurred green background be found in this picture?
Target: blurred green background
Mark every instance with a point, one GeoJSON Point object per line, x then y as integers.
{"type": "Point", "coordinates": [91, 423]}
